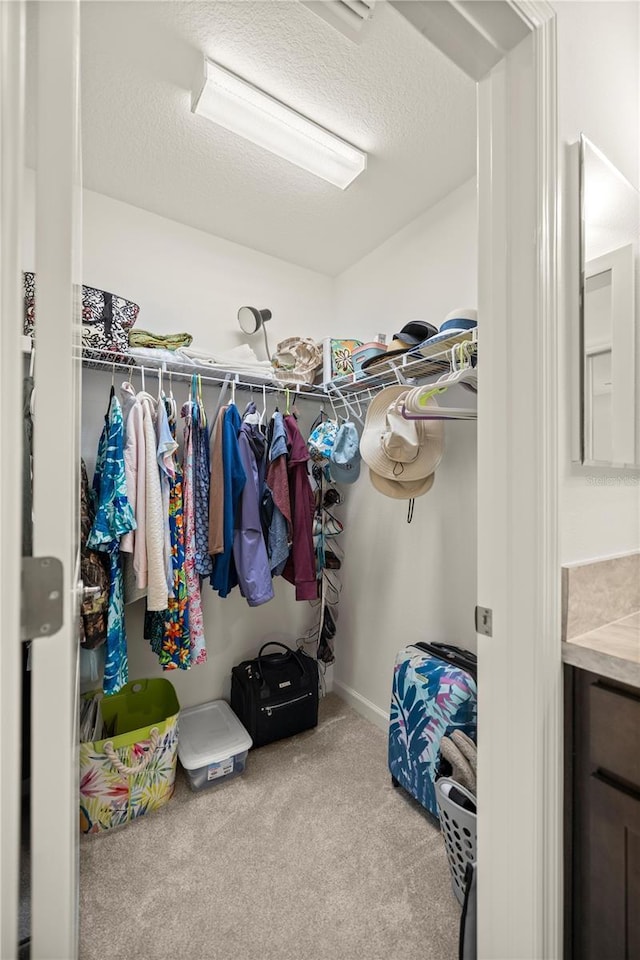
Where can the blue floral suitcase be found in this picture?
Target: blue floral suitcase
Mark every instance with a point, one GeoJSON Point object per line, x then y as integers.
{"type": "Point", "coordinates": [431, 698]}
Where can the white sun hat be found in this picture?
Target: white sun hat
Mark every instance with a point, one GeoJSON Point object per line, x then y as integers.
{"type": "Point", "coordinates": [396, 448]}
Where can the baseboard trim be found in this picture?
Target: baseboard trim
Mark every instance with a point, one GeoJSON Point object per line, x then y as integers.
{"type": "Point", "coordinates": [363, 706]}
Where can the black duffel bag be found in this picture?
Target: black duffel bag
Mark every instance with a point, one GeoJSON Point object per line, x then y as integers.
{"type": "Point", "coordinates": [276, 694]}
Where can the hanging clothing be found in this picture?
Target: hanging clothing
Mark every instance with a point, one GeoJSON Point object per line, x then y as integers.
{"type": "Point", "coordinates": [277, 480]}
{"type": "Point", "coordinates": [224, 577]}
{"type": "Point", "coordinates": [134, 545]}
{"type": "Point", "coordinates": [27, 453]}
{"type": "Point", "coordinates": [114, 517]}
{"type": "Point", "coordinates": [196, 621]}
{"type": "Point", "coordinates": [216, 490]}
{"type": "Point", "coordinates": [202, 483]}
{"type": "Point", "coordinates": [249, 549]}
{"type": "Point", "coordinates": [165, 450]}
{"type": "Point", "coordinates": [157, 592]}
{"type": "Point", "coordinates": [300, 568]}
{"type": "Point", "coordinates": [94, 571]}
{"type": "Point", "coordinates": [169, 631]}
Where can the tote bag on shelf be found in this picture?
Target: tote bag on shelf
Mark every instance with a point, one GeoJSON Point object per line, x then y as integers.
{"type": "Point", "coordinates": [106, 321]}
{"type": "Point", "coordinates": [132, 768]}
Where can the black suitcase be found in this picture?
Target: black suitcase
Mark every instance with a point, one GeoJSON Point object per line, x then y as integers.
{"type": "Point", "coordinates": [276, 694]}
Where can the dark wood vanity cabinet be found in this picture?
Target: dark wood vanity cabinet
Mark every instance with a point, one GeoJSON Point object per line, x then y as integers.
{"type": "Point", "coordinates": [602, 823]}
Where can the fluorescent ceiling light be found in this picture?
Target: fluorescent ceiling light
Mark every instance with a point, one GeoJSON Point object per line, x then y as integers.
{"type": "Point", "coordinates": [244, 109]}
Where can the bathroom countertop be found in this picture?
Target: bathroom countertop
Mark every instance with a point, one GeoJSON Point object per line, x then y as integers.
{"type": "Point", "coordinates": [612, 650]}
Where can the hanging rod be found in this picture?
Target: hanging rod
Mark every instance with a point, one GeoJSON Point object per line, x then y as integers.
{"type": "Point", "coordinates": [303, 391]}
{"type": "Point", "coordinates": [442, 413]}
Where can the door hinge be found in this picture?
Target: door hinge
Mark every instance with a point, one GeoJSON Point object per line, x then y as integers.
{"type": "Point", "coordinates": [41, 597]}
{"type": "Point", "coordinates": [484, 621]}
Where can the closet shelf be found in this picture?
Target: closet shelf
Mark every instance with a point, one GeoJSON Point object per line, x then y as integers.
{"type": "Point", "coordinates": [104, 360]}
{"type": "Point", "coordinates": [341, 392]}
{"type": "Point", "coordinates": [433, 361]}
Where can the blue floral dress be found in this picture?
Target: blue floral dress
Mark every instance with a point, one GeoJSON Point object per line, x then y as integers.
{"type": "Point", "coordinates": [114, 517]}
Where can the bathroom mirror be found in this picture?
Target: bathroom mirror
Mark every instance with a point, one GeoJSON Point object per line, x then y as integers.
{"type": "Point", "coordinates": [609, 312]}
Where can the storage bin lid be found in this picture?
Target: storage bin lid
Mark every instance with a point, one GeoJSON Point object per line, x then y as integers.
{"type": "Point", "coordinates": [210, 733]}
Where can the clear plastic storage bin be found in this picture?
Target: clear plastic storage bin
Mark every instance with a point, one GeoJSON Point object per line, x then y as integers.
{"type": "Point", "coordinates": [212, 744]}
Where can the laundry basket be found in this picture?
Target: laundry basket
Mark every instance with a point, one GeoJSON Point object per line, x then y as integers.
{"type": "Point", "coordinates": [131, 769]}
{"type": "Point", "coordinates": [458, 827]}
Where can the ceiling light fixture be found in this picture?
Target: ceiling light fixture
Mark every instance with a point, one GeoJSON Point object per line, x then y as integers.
{"type": "Point", "coordinates": [237, 105]}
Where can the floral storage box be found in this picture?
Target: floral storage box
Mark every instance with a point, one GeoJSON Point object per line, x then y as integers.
{"type": "Point", "coordinates": [131, 769]}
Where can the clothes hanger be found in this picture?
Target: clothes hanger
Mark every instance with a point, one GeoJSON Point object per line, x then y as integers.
{"type": "Point", "coordinates": [264, 404]}
{"type": "Point", "coordinates": [112, 393]}
{"type": "Point", "coordinates": [294, 409]}
{"type": "Point", "coordinates": [201, 410]}
{"type": "Point", "coordinates": [252, 417]}
{"type": "Point", "coordinates": [173, 406]}
{"type": "Point", "coordinates": [32, 365]}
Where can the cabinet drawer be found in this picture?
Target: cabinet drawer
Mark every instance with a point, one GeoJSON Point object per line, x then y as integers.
{"type": "Point", "coordinates": [614, 731]}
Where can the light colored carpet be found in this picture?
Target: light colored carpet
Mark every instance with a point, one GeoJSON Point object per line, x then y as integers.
{"type": "Point", "coordinates": [309, 855]}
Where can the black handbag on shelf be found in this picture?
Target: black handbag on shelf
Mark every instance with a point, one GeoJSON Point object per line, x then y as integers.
{"type": "Point", "coordinates": [275, 695]}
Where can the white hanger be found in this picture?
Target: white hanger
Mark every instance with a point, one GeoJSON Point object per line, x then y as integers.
{"type": "Point", "coordinates": [264, 404]}
{"type": "Point", "coordinates": [173, 406]}
{"type": "Point", "coordinates": [32, 364]}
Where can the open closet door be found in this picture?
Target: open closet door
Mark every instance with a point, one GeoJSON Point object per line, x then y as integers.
{"type": "Point", "coordinates": [11, 165]}
{"type": "Point", "coordinates": [54, 659]}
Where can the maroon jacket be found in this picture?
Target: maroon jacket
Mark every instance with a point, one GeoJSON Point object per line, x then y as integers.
{"type": "Point", "coordinates": [300, 568]}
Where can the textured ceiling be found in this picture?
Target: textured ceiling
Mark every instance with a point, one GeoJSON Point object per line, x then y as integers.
{"type": "Point", "coordinates": [394, 96]}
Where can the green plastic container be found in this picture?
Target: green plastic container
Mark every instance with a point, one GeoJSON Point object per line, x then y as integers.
{"type": "Point", "coordinates": [139, 706]}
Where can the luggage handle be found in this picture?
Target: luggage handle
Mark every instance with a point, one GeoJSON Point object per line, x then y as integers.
{"type": "Point", "coordinates": [456, 656]}
{"type": "Point", "coordinates": [292, 653]}
{"type": "Point", "coordinates": [143, 763]}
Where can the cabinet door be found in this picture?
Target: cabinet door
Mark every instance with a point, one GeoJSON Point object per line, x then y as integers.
{"type": "Point", "coordinates": [612, 918]}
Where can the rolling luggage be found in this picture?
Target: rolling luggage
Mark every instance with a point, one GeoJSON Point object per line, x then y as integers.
{"type": "Point", "coordinates": [276, 694]}
{"type": "Point", "coordinates": [434, 693]}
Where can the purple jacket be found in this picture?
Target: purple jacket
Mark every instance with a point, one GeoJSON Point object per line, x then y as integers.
{"type": "Point", "coordinates": [301, 565]}
{"type": "Point", "coordinates": [249, 550]}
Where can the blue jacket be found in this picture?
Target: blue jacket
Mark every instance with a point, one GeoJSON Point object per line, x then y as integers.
{"type": "Point", "coordinates": [224, 577]}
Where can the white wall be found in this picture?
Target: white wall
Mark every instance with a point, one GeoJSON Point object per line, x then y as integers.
{"type": "Point", "coordinates": [184, 279]}
{"type": "Point", "coordinates": [409, 582]}
{"type": "Point", "coordinates": [598, 83]}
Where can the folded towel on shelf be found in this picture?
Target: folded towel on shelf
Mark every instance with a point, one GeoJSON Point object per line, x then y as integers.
{"type": "Point", "coordinates": [151, 356]}
{"type": "Point", "coordinates": [163, 341]}
{"type": "Point", "coordinates": [240, 359]}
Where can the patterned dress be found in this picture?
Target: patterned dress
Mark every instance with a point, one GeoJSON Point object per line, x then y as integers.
{"type": "Point", "coordinates": [169, 631]}
{"type": "Point", "coordinates": [196, 622]}
{"type": "Point", "coordinates": [202, 483]}
{"type": "Point", "coordinates": [114, 517]}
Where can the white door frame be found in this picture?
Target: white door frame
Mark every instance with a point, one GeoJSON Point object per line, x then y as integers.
{"type": "Point", "coordinates": [520, 670]}
{"type": "Point", "coordinates": [12, 87]}
{"type": "Point", "coordinates": [510, 49]}
{"type": "Point", "coordinates": [520, 742]}
{"type": "Point", "coordinates": [56, 482]}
